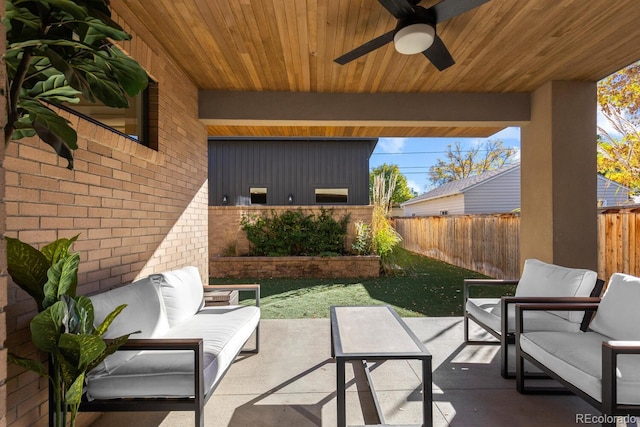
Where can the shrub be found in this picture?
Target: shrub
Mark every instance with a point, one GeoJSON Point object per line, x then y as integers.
{"type": "Point", "coordinates": [362, 241]}
{"type": "Point", "coordinates": [384, 237]}
{"type": "Point", "coordinates": [293, 233]}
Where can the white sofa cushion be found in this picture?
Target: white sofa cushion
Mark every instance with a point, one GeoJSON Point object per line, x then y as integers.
{"type": "Point", "coordinates": [170, 374]}
{"type": "Point", "coordinates": [144, 313]}
{"type": "Point", "coordinates": [488, 311]}
{"type": "Point", "coordinates": [540, 279]}
{"type": "Point", "coordinates": [618, 316]}
{"type": "Point", "coordinates": [577, 358]}
{"type": "Point", "coordinates": [182, 293]}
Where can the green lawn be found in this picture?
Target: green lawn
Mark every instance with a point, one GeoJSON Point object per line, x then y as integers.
{"type": "Point", "coordinates": [425, 287]}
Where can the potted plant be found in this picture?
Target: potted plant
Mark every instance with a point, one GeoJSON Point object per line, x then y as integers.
{"type": "Point", "coordinates": [64, 326]}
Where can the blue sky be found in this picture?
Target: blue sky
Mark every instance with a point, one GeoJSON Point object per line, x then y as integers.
{"type": "Point", "coordinates": [414, 156]}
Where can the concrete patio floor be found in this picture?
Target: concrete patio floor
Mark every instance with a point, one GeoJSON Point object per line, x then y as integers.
{"type": "Point", "coordinates": [292, 382]}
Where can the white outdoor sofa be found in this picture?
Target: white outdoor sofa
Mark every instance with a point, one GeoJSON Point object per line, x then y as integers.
{"type": "Point", "coordinates": [182, 351]}
{"type": "Point", "coordinates": [602, 365]}
{"type": "Point", "coordinates": [539, 282]}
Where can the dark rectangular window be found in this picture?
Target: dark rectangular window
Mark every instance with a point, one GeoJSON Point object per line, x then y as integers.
{"type": "Point", "coordinates": [258, 195]}
{"type": "Point", "coordinates": [332, 195]}
{"type": "Point", "coordinates": [138, 122]}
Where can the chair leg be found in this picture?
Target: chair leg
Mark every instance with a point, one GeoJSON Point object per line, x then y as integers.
{"type": "Point", "coordinates": [504, 357]}
{"type": "Point", "coordinates": [505, 340]}
{"type": "Point", "coordinates": [519, 371]}
{"type": "Point", "coordinates": [258, 338]}
{"type": "Point", "coordinates": [609, 387]}
{"type": "Point", "coordinates": [466, 327]}
{"type": "Point", "coordinates": [256, 349]}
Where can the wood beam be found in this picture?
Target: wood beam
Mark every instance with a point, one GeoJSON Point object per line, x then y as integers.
{"type": "Point", "coordinates": [444, 110]}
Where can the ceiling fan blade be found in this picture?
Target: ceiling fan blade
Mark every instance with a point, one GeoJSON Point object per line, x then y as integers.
{"type": "Point", "coordinates": [369, 46]}
{"type": "Point", "coordinates": [448, 9]}
{"type": "Point", "coordinates": [398, 8]}
{"type": "Point", "coordinates": [439, 55]}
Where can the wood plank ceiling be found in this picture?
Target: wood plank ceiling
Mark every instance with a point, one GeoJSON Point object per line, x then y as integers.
{"type": "Point", "coordinates": [289, 45]}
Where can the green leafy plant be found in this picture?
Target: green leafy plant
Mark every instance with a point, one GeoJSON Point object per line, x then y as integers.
{"type": "Point", "coordinates": [57, 51]}
{"type": "Point", "coordinates": [384, 238]}
{"type": "Point", "coordinates": [64, 326]}
{"type": "Point", "coordinates": [379, 237]}
{"type": "Point", "coordinates": [293, 233]}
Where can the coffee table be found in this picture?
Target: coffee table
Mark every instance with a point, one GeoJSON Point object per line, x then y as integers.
{"type": "Point", "coordinates": [375, 333]}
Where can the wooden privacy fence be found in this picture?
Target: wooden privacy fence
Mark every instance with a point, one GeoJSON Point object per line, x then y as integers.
{"type": "Point", "coordinates": [490, 244]}
{"type": "Point", "coordinates": [619, 242]}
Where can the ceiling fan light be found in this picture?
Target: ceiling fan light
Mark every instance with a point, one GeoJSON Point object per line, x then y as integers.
{"type": "Point", "coordinates": [414, 38]}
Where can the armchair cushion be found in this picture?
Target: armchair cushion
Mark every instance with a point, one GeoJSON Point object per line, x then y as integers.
{"type": "Point", "coordinates": [489, 312]}
{"type": "Point", "coordinates": [618, 316]}
{"type": "Point", "coordinates": [577, 358]}
{"type": "Point", "coordinates": [540, 279]}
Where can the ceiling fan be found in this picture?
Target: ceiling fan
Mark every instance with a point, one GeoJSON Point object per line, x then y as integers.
{"type": "Point", "coordinates": [415, 31]}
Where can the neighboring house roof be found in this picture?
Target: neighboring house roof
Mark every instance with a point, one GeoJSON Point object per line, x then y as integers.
{"type": "Point", "coordinates": [612, 182]}
{"type": "Point", "coordinates": [461, 185]}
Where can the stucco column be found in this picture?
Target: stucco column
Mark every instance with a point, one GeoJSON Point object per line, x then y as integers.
{"type": "Point", "coordinates": [558, 181]}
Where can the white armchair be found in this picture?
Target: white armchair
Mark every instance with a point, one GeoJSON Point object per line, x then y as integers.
{"type": "Point", "coordinates": [540, 282]}
{"type": "Point", "coordinates": [602, 365]}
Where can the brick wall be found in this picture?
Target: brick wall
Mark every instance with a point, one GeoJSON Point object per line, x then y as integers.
{"type": "Point", "coordinates": [137, 210]}
{"type": "Point", "coordinates": [226, 237]}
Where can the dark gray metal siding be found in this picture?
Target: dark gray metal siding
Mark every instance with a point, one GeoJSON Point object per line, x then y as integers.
{"type": "Point", "coordinates": [286, 167]}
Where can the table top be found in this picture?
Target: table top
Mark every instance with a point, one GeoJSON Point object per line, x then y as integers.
{"type": "Point", "coordinates": [373, 331]}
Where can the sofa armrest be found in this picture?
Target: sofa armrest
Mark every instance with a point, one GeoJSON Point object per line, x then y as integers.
{"type": "Point", "coordinates": [252, 287]}
{"type": "Point", "coordinates": [551, 301]}
{"type": "Point", "coordinates": [610, 352]}
{"type": "Point", "coordinates": [194, 344]}
{"type": "Point", "coordinates": [468, 283]}
{"type": "Point", "coordinates": [489, 282]}
{"type": "Point", "coordinates": [622, 347]}
{"type": "Point", "coordinates": [580, 304]}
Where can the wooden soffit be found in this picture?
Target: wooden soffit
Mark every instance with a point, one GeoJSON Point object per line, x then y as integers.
{"type": "Point", "coordinates": [503, 46]}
